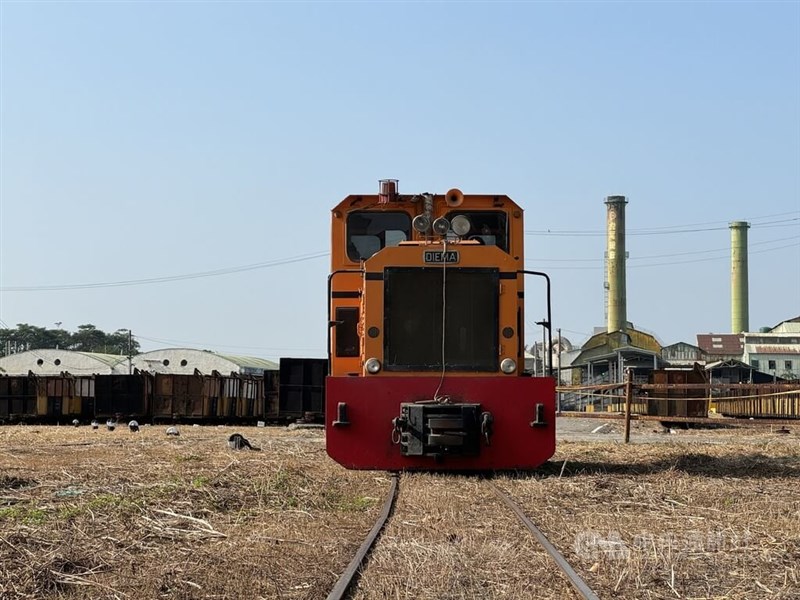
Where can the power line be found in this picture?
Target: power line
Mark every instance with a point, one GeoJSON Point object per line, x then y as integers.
{"type": "Point", "coordinates": [657, 230]}
{"type": "Point", "coordinates": [215, 345]}
{"type": "Point", "coordinates": [166, 279]}
{"type": "Point", "coordinates": [307, 257]}
{"type": "Point", "coordinates": [680, 262]}
{"type": "Point", "coordinates": [692, 252]}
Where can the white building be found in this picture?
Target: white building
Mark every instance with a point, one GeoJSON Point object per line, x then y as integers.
{"type": "Point", "coordinates": [188, 360]}
{"type": "Point", "coordinates": [55, 362]}
{"type": "Point", "coordinates": [170, 360]}
{"type": "Point", "coordinates": [776, 351]}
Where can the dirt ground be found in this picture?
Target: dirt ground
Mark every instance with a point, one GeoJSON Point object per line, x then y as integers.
{"type": "Point", "coordinates": [100, 514]}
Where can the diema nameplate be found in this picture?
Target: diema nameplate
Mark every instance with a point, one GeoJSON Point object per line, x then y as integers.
{"type": "Point", "coordinates": [438, 257]}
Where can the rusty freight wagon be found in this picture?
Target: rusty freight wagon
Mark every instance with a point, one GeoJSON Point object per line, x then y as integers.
{"type": "Point", "coordinates": [677, 393]}
{"type": "Point", "coordinates": [179, 397]}
{"type": "Point", "coordinates": [17, 397]}
{"type": "Point", "coordinates": [122, 396]}
{"type": "Point", "coordinates": [65, 397]}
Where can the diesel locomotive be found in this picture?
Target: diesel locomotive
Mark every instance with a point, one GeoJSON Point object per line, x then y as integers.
{"type": "Point", "coordinates": [426, 299]}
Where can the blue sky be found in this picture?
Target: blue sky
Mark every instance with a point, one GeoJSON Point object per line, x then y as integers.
{"type": "Point", "coordinates": [148, 141]}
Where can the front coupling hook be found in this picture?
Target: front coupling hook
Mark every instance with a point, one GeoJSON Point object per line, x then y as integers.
{"type": "Point", "coordinates": [399, 425]}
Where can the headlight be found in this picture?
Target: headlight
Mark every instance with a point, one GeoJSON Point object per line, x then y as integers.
{"type": "Point", "coordinates": [508, 366]}
{"type": "Point", "coordinates": [460, 225]}
{"type": "Point", "coordinates": [421, 223]}
{"type": "Point", "coordinates": [441, 226]}
{"type": "Point", "coordinates": [373, 365]}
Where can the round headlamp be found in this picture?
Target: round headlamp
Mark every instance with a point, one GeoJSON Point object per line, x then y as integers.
{"type": "Point", "coordinates": [441, 226]}
{"type": "Point", "coordinates": [508, 366]}
{"type": "Point", "coordinates": [460, 225]}
{"type": "Point", "coordinates": [421, 223]}
{"type": "Point", "coordinates": [373, 365]}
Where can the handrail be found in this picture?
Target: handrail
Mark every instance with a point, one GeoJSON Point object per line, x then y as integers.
{"type": "Point", "coordinates": [546, 324]}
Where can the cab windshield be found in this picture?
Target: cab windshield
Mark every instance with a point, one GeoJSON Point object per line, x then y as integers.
{"type": "Point", "coordinates": [368, 232]}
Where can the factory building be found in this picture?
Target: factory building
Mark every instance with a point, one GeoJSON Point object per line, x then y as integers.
{"type": "Point", "coordinates": [188, 361]}
{"type": "Point", "coordinates": [170, 360]}
{"type": "Point", "coordinates": [607, 354]}
{"type": "Point", "coordinates": [55, 362]}
{"type": "Point", "coordinates": [721, 346]}
{"type": "Point", "coordinates": [776, 351]}
{"type": "Point", "coordinates": [683, 355]}
{"type": "Point", "coordinates": [770, 354]}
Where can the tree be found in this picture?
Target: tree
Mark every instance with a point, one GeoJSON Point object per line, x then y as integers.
{"type": "Point", "coordinates": [25, 337]}
{"type": "Point", "coordinates": [119, 340]}
{"type": "Point", "coordinates": [87, 339]}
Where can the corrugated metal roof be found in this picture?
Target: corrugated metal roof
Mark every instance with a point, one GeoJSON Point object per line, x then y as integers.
{"type": "Point", "coordinates": [617, 339]}
{"type": "Point", "coordinates": [788, 325]}
{"type": "Point", "coordinates": [681, 345]}
{"type": "Point", "coordinates": [721, 343]}
{"type": "Point", "coordinates": [108, 359]}
{"type": "Point", "coordinates": [250, 362]}
{"type": "Point", "coordinates": [730, 363]}
{"type": "Point", "coordinates": [603, 345]}
{"type": "Point", "coordinates": [771, 349]}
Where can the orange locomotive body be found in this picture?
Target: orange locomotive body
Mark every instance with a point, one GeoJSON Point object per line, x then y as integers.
{"type": "Point", "coordinates": [426, 354]}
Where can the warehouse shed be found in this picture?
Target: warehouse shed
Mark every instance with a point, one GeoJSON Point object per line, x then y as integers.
{"type": "Point", "coordinates": [683, 354]}
{"type": "Point", "coordinates": [55, 362]}
{"type": "Point", "coordinates": [605, 356]}
{"type": "Point", "coordinates": [189, 360]}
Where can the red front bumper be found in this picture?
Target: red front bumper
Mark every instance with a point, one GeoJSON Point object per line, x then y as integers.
{"type": "Point", "coordinates": [365, 442]}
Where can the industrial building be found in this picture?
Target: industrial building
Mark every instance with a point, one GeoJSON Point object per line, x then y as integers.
{"type": "Point", "coordinates": [187, 360]}
{"type": "Point", "coordinates": [776, 351]}
{"type": "Point", "coordinates": [721, 346]}
{"type": "Point", "coordinates": [607, 354]}
{"type": "Point", "coordinates": [55, 362]}
{"type": "Point", "coordinates": [683, 354]}
{"type": "Point", "coordinates": [738, 356]}
{"type": "Point", "coordinates": [170, 360]}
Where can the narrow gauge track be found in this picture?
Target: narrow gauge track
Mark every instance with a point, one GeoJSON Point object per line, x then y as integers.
{"type": "Point", "coordinates": [348, 579]}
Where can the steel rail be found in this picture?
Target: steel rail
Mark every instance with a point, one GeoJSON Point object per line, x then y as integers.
{"type": "Point", "coordinates": [351, 573]}
{"type": "Point", "coordinates": [574, 579]}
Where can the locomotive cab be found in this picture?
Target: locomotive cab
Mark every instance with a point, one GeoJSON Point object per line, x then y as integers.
{"type": "Point", "coordinates": [426, 300]}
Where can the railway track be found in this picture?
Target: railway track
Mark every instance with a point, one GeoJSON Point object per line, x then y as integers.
{"type": "Point", "coordinates": [347, 583]}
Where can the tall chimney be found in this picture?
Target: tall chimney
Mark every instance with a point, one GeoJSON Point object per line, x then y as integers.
{"type": "Point", "coordinates": [615, 263]}
{"type": "Point", "coordinates": [740, 309]}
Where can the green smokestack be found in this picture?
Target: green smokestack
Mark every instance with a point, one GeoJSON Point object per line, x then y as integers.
{"type": "Point", "coordinates": [740, 309]}
{"type": "Point", "coordinates": [615, 263]}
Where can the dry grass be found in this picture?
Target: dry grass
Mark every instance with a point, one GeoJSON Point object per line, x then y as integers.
{"type": "Point", "coordinates": [97, 514]}
{"type": "Point", "coordinates": [688, 520]}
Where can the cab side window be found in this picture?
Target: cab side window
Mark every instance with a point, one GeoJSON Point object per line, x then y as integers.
{"type": "Point", "coordinates": [368, 232]}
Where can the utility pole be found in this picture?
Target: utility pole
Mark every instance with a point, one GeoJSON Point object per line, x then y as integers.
{"type": "Point", "coordinates": [558, 373]}
{"type": "Point", "coordinates": [628, 398]}
{"type": "Point", "coordinates": [130, 344]}
{"type": "Point", "coordinates": [546, 349]}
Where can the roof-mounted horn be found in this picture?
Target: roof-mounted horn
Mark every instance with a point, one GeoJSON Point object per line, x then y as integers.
{"type": "Point", "coordinates": [454, 198]}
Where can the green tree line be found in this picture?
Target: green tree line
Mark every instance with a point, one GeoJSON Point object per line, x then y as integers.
{"type": "Point", "coordinates": [86, 339]}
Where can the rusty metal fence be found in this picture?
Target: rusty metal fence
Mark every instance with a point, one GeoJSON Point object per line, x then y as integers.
{"type": "Point", "coordinates": [684, 400]}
